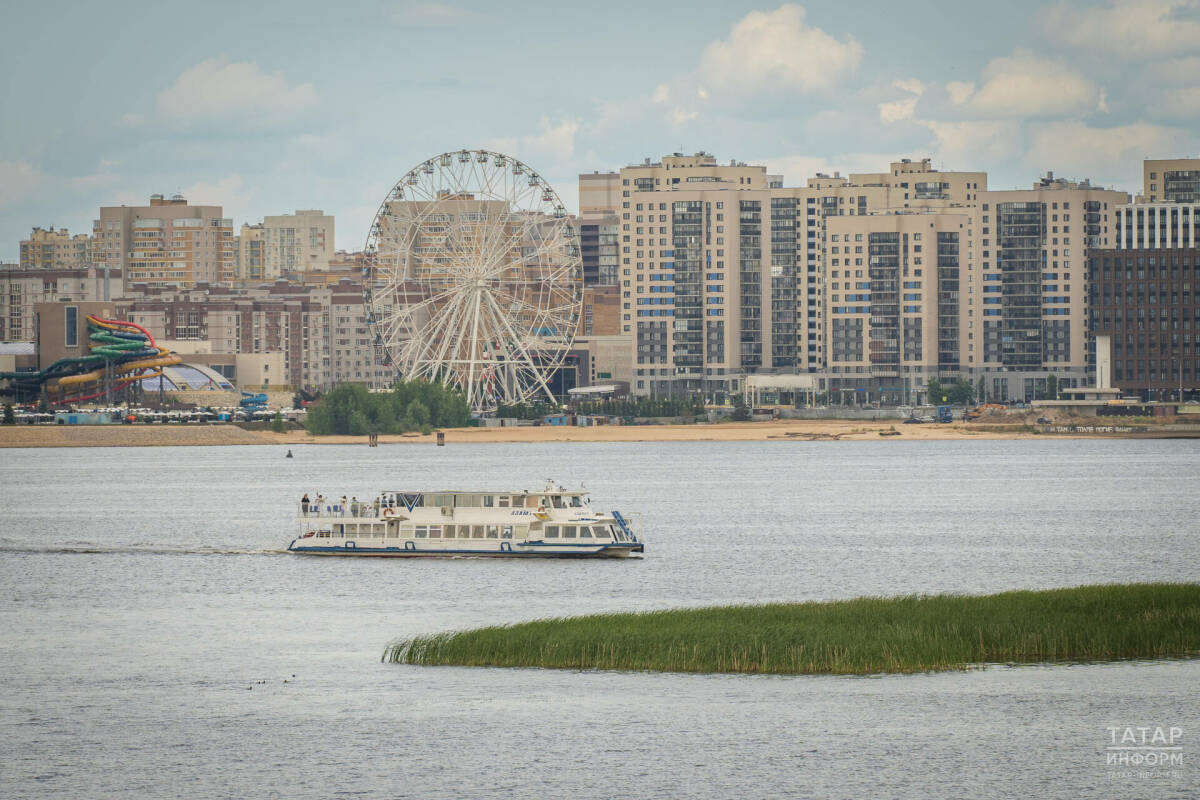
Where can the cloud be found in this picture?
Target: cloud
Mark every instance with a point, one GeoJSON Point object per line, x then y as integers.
{"type": "Point", "coordinates": [1026, 85]}
{"type": "Point", "coordinates": [1180, 103]}
{"type": "Point", "coordinates": [1106, 153]}
{"type": "Point", "coordinates": [776, 50]}
{"type": "Point", "coordinates": [679, 116]}
{"type": "Point", "coordinates": [1175, 70]}
{"type": "Point", "coordinates": [975, 144]}
{"type": "Point", "coordinates": [218, 90]}
{"type": "Point", "coordinates": [20, 180]}
{"type": "Point", "coordinates": [662, 93]}
{"type": "Point", "coordinates": [432, 15]}
{"type": "Point", "coordinates": [959, 91]}
{"type": "Point", "coordinates": [229, 192]}
{"type": "Point", "coordinates": [798, 169]}
{"type": "Point", "coordinates": [1128, 28]}
{"type": "Point", "coordinates": [897, 110]}
{"type": "Point", "coordinates": [552, 146]}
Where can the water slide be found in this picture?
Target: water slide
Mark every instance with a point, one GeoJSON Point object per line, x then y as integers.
{"type": "Point", "coordinates": [253, 402]}
{"type": "Point", "coordinates": [124, 348]}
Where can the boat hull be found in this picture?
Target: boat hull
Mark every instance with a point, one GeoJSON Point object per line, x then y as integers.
{"type": "Point", "coordinates": [518, 550]}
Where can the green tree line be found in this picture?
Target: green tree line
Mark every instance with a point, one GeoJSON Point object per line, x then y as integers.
{"type": "Point", "coordinates": [409, 406]}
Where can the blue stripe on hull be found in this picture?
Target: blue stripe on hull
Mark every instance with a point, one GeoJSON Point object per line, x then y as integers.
{"type": "Point", "coordinates": [608, 552]}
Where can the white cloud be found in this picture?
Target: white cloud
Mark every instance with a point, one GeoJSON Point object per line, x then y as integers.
{"type": "Point", "coordinates": [1026, 85]}
{"type": "Point", "coordinates": [959, 91]}
{"type": "Point", "coordinates": [230, 192]}
{"type": "Point", "coordinates": [220, 90]}
{"type": "Point", "coordinates": [679, 116]}
{"type": "Point", "coordinates": [662, 93]}
{"type": "Point", "coordinates": [776, 50]}
{"type": "Point", "coordinates": [911, 85]}
{"type": "Point", "coordinates": [897, 110]}
{"type": "Point", "coordinates": [1128, 28]}
{"type": "Point", "coordinates": [1075, 148]}
{"type": "Point", "coordinates": [975, 144]}
{"type": "Point", "coordinates": [432, 15]}
{"type": "Point", "coordinates": [552, 146]}
{"type": "Point", "coordinates": [131, 120]}
{"type": "Point", "coordinates": [702, 93]}
{"type": "Point", "coordinates": [20, 180]}
{"type": "Point", "coordinates": [1175, 70]}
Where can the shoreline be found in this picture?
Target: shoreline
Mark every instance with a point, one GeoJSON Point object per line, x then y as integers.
{"type": "Point", "coordinates": [773, 431]}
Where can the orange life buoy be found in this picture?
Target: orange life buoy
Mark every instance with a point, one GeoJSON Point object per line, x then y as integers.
{"type": "Point", "coordinates": [387, 512]}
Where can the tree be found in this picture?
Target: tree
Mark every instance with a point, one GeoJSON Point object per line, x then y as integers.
{"type": "Point", "coordinates": [741, 412]}
{"type": "Point", "coordinates": [1052, 387]}
{"type": "Point", "coordinates": [9, 417]}
{"type": "Point", "coordinates": [935, 391]}
{"type": "Point", "coordinates": [277, 423]}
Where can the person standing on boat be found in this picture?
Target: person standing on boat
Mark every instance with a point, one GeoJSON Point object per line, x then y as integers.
{"type": "Point", "coordinates": [304, 502]}
{"type": "Point", "coordinates": [320, 502]}
{"type": "Point", "coordinates": [376, 504]}
{"type": "Point", "coordinates": [342, 505]}
{"type": "Point", "coordinates": [354, 507]}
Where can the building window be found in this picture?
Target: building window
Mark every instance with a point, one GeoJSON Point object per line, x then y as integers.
{"type": "Point", "coordinates": [71, 339]}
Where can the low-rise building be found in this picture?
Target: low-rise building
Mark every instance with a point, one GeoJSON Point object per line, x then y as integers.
{"type": "Point", "coordinates": [55, 249]}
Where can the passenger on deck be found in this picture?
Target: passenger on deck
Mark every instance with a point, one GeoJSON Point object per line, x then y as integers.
{"type": "Point", "coordinates": [342, 507]}
{"type": "Point", "coordinates": [304, 502]}
{"type": "Point", "coordinates": [377, 501]}
{"type": "Point", "coordinates": [354, 507]}
{"type": "Point", "coordinates": [320, 503]}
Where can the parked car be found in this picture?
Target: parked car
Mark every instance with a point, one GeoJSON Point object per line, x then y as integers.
{"type": "Point", "coordinates": [1043, 421]}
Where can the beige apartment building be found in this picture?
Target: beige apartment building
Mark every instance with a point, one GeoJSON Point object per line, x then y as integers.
{"type": "Point", "coordinates": [894, 318]}
{"type": "Point", "coordinates": [22, 289]}
{"type": "Point", "coordinates": [297, 243]}
{"type": "Point", "coordinates": [724, 269]}
{"type": "Point", "coordinates": [1026, 302]}
{"type": "Point", "coordinates": [167, 243]}
{"type": "Point", "coordinates": [249, 266]}
{"type": "Point", "coordinates": [55, 249]}
{"type": "Point", "coordinates": [321, 332]}
{"type": "Point", "coordinates": [1170, 180]}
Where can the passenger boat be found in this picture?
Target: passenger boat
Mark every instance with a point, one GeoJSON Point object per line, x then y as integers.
{"type": "Point", "coordinates": [553, 522]}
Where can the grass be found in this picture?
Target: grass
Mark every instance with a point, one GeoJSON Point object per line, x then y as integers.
{"type": "Point", "coordinates": [863, 636]}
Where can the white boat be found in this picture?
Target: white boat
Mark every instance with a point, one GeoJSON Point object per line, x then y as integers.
{"type": "Point", "coordinates": [553, 522]}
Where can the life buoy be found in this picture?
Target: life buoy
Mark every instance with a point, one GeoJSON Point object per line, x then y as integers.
{"type": "Point", "coordinates": [388, 512]}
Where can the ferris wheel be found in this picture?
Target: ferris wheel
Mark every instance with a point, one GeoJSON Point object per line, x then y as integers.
{"type": "Point", "coordinates": [473, 277]}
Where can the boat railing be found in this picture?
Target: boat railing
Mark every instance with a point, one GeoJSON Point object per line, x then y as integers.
{"type": "Point", "coordinates": [337, 510]}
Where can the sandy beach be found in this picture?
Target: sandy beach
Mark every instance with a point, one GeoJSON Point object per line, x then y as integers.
{"type": "Point", "coordinates": [778, 431]}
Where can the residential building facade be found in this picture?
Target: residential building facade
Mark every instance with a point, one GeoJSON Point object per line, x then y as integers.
{"type": "Point", "coordinates": [167, 243]}
{"type": "Point", "coordinates": [1145, 315]}
{"type": "Point", "coordinates": [55, 249]}
{"type": "Point", "coordinates": [22, 289]}
{"type": "Point", "coordinates": [1171, 180]}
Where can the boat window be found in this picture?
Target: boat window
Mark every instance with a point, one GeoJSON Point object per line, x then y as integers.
{"type": "Point", "coordinates": [493, 532]}
{"type": "Point", "coordinates": [449, 531]}
{"type": "Point", "coordinates": [340, 530]}
{"type": "Point", "coordinates": [435, 531]}
{"type": "Point", "coordinates": [576, 502]}
{"type": "Point", "coordinates": [600, 532]}
{"type": "Point", "coordinates": [467, 500]}
{"type": "Point", "coordinates": [569, 532]}
{"type": "Point", "coordinates": [488, 501]}
{"type": "Point", "coordinates": [407, 532]}
{"type": "Point", "coordinates": [585, 532]}
{"type": "Point", "coordinates": [503, 501]}
{"type": "Point", "coordinates": [422, 531]}
{"type": "Point", "coordinates": [464, 531]}
{"type": "Point", "coordinates": [551, 531]}
{"type": "Point", "coordinates": [507, 532]}
{"type": "Point", "coordinates": [558, 501]}
{"type": "Point", "coordinates": [476, 531]}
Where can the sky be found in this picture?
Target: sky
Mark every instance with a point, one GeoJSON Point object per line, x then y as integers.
{"type": "Point", "coordinates": [268, 107]}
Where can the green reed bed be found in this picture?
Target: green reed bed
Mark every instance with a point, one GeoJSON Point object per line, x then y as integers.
{"type": "Point", "coordinates": [849, 637]}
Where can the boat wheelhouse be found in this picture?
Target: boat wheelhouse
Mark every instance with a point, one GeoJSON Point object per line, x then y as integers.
{"type": "Point", "coordinates": [553, 522]}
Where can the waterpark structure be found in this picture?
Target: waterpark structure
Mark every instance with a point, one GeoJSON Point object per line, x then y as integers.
{"type": "Point", "coordinates": [121, 355]}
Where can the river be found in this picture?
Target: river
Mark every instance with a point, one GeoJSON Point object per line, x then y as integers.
{"type": "Point", "coordinates": [156, 642]}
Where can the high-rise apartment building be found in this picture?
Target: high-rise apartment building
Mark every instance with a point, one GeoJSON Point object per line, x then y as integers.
{"type": "Point", "coordinates": [1145, 315]}
{"type": "Point", "coordinates": [1026, 301]}
{"type": "Point", "coordinates": [297, 243]}
{"type": "Point", "coordinates": [250, 262]}
{"type": "Point", "coordinates": [55, 249]}
{"type": "Point", "coordinates": [1144, 226]}
{"type": "Point", "coordinates": [22, 289]}
{"type": "Point", "coordinates": [599, 247]}
{"type": "Point", "coordinates": [167, 243]}
{"type": "Point", "coordinates": [894, 316]}
{"type": "Point", "coordinates": [723, 269]}
{"type": "Point", "coordinates": [1171, 180]}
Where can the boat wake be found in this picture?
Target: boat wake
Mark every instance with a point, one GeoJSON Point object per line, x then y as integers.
{"type": "Point", "coordinates": [89, 548]}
